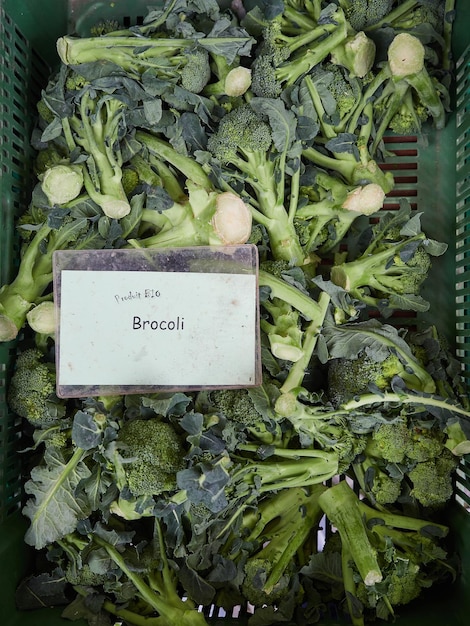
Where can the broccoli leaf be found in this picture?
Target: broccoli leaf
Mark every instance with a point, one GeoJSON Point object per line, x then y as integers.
{"type": "Point", "coordinates": [56, 505]}
{"type": "Point", "coordinates": [86, 433]}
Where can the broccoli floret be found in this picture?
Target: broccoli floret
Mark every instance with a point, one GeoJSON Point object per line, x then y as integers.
{"type": "Point", "coordinates": [44, 111]}
{"type": "Point", "coordinates": [130, 180]}
{"type": "Point", "coordinates": [432, 480]}
{"type": "Point", "coordinates": [236, 405]}
{"type": "Point", "coordinates": [361, 14]}
{"type": "Point", "coordinates": [196, 71]}
{"type": "Point", "coordinates": [47, 158]}
{"type": "Point", "coordinates": [155, 452]}
{"type": "Point", "coordinates": [32, 390]}
{"type": "Point", "coordinates": [84, 576]}
{"type": "Point", "coordinates": [390, 441]}
{"type": "Point", "coordinates": [104, 27]}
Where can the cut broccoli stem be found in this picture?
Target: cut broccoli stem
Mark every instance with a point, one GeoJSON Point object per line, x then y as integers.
{"type": "Point", "coordinates": [342, 508]}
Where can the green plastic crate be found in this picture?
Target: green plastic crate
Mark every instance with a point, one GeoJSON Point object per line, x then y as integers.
{"type": "Point", "coordinates": [434, 175]}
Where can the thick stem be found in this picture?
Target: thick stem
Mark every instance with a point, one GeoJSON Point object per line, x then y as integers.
{"type": "Point", "coordinates": [297, 371]}
{"type": "Point", "coordinates": [186, 165]}
{"type": "Point", "coordinates": [341, 506]}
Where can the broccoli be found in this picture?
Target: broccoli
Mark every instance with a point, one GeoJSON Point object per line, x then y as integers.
{"type": "Point", "coordinates": [167, 57]}
{"type": "Point", "coordinates": [283, 58]}
{"type": "Point", "coordinates": [284, 523]}
{"type": "Point", "coordinates": [341, 148]}
{"type": "Point", "coordinates": [331, 209]}
{"type": "Point", "coordinates": [389, 273]}
{"type": "Point", "coordinates": [201, 215]}
{"type": "Point", "coordinates": [380, 487]}
{"type": "Point", "coordinates": [104, 27]}
{"type": "Point", "coordinates": [362, 14]}
{"type": "Point", "coordinates": [320, 425]}
{"type": "Point", "coordinates": [153, 453]}
{"type": "Point", "coordinates": [404, 71]}
{"type": "Point", "coordinates": [47, 158]}
{"type": "Point", "coordinates": [242, 145]}
{"type": "Point", "coordinates": [244, 410]}
{"type": "Point", "coordinates": [409, 458]}
{"type": "Point", "coordinates": [289, 307]}
{"type": "Point", "coordinates": [96, 127]}
{"type": "Point", "coordinates": [378, 548]}
{"type": "Point", "coordinates": [383, 356]}
{"type": "Point", "coordinates": [196, 72]}
{"type": "Point", "coordinates": [34, 274]}
{"type": "Point", "coordinates": [348, 378]}
{"type": "Point", "coordinates": [432, 480]}
{"type": "Point", "coordinates": [155, 582]}
{"type": "Point", "coordinates": [32, 390]}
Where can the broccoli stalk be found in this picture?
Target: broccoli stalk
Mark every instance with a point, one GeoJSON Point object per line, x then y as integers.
{"type": "Point", "coordinates": [97, 129]}
{"type": "Point", "coordinates": [159, 591]}
{"type": "Point", "coordinates": [284, 523]}
{"type": "Point", "coordinates": [333, 208]}
{"type": "Point", "coordinates": [392, 553]}
{"type": "Point", "coordinates": [391, 270]}
{"type": "Point", "coordinates": [34, 274]}
{"type": "Point", "coordinates": [287, 340]}
{"type": "Point", "coordinates": [345, 512]}
{"type": "Point", "coordinates": [167, 57]}
{"type": "Point", "coordinates": [242, 147]}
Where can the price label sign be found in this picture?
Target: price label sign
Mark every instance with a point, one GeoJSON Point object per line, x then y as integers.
{"type": "Point", "coordinates": [133, 321]}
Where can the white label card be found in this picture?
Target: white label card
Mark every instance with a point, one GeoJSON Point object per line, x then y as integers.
{"type": "Point", "coordinates": [172, 329]}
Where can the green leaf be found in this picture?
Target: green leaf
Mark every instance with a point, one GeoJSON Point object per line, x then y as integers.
{"type": "Point", "coordinates": [283, 122]}
{"type": "Point", "coordinates": [412, 226]}
{"type": "Point", "coordinates": [56, 506]}
{"type": "Point", "coordinates": [167, 403]}
{"type": "Point", "coordinates": [86, 433]}
{"type": "Point", "coordinates": [343, 143]}
{"type": "Point", "coordinates": [434, 248]}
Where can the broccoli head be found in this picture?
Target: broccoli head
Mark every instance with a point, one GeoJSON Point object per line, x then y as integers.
{"type": "Point", "coordinates": [32, 390]}
{"type": "Point", "coordinates": [361, 14]}
{"type": "Point", "coordinates": [432, 480]}
{"type": "Point", "coordinates": [155, 453]}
